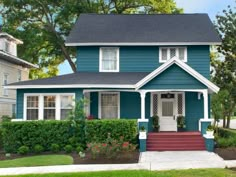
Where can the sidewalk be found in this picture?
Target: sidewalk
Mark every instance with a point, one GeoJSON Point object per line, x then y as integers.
{"type": "Point", "coordinates": [148, 161]}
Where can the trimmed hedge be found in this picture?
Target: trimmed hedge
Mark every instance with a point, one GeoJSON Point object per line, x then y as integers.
{"type": "Point", "coordinates": [44, 133]}
{"type": "Point", "coordinates": [1, 140]}
{"type": "Point", "coordinates": [97, 130]}
{"type": "Point", "coordinates": [226, 138]}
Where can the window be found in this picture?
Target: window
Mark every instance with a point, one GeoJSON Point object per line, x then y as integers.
{"type": "Point", "coordinates": [48, 106]}
{"type": "Point", "coordinates": [19, 75]}
{"type": "Point", "coordinates": [5, 82]}
{"type": "Point", "coordinates": [66, 106]}
{"type": "Point", "coordinates": [166, 53]}
{"type": "Point", "coordinates": [49, 111]}
{"type": "Point", "coordinates": [32, 109]}
{"type": "Point", "coordinates": [109, 105]}
{"type": "Point", "coordinates": [7, 47]}
{"type": "Point", "coordinates": [109, 59]}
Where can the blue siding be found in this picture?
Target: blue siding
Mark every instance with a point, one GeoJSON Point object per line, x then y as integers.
{"type": "Point", "coordinates": [139, 59]}
{"type": "Point", "coordinates": [174, 78]}
{"type": "Point", "coordinates": [88, 59]}
{"type": "Point", "coordinates": [194, 110]}
{"type": "Point", "coordinates": [142, 59]}
{"type": "Point", "coordinates": [199, 59]}
{"type": "Point", "coordinates": [20, 96]}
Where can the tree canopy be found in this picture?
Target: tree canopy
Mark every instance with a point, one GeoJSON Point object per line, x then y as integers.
{"type": "Point", "coordinates": [44, 24]}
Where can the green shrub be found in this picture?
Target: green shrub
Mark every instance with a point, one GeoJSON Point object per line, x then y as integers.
{"type": "Point", "coordinates": [38, 149]}
{"type": "Point", "coordinates": [23, 150]}
{"type": "Point", "coordinates": [6, 118]}
{"type": "Point", "coordinates": [97, 130]}
{"type": "Point", "coordinates": [68, 148]}
{"type": "Point", "coordinates": [55, 147]}
{"type": "Point", "coordinates": [79, 149]}
{"type": "Point", "coordinates": [226, 138]}
{"type": "Point", "coordinates": [45, 133]}
{"type": "Point", "coordinates": [1, 140]}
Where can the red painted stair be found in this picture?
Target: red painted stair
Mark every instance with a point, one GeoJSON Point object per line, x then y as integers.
{"type": "Point", "coordinates": [175, 141]}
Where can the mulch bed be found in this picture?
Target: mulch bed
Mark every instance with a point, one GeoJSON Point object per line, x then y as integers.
{"type": "Point", "coordinates": [131, 157]}
{"type": "Point", "coordinates": [226, 153]}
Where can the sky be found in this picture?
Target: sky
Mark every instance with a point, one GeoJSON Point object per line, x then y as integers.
{"type": "Point", "coordinates": [211, 7]}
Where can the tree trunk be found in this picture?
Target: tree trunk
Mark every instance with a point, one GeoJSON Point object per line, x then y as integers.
{"type": "Point", "coordinates": [228, 121]}
{"type": "Point", "coordinates": [223, 121]}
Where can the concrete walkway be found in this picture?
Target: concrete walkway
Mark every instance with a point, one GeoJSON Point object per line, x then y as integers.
{"type": "Point", "coordinates": [148, 161]}
{"type": "Point", "coordinates": [168, 160]}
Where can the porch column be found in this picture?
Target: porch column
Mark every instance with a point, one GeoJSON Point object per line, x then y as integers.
{"type": "Point", "coordinates": [205, 97]}
{"type": "Point", "coordinates": [142, 95]}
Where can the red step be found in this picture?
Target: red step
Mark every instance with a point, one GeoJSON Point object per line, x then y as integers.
{"type": "Point", "coordinates": [175, 141]}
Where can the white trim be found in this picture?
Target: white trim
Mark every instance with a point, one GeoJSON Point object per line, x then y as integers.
{"type": "Point", "coordinates": [87, 96]}
{"type": "Point", "coordinates": [143, 96]}
{"type": "Point", "coordinates": [139, 43]}
{"type": "Point", "coordinates": [70, 86]}
{"type": "Point", "coordinates": [19, 59]}
{"type": "Point", "coordinates": [117, 57]}
{"type": "Point", "coordinates": [208, 136]}
{"type": "Point", "coordinates": [99, 103]}
{"type": "Point", "coordinates": [143, 120]}
{"type": "Point", "coordinates": [41, 104]}
{"type": "Point", "coordinates": [168, 53]}
{"type": "Point", "coordinates": [16, 41]}
{"type": "Point", "coordinates": [205, 100]}
{"type": "Point", "coordinates": [185, 67]}
{"type": "Point", "coordinates": [7, 100]}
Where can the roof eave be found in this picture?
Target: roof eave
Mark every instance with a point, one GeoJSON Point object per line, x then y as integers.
{"type": "Point", "coordinates": [74, 44]}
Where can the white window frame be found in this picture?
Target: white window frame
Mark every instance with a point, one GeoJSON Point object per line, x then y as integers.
{"type": "Point", "coordinates": [175, 102]}
{"type": "Point", "coordinates": [117, 62]}
{"type": "Point", "coordinates": [100, 103]}
{"type": "Point", "coordinates": [41, 104]}
{"type": "Point", "coordinates": [168, 53]}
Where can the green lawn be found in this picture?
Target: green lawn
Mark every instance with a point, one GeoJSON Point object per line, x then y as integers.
{"type": "Point", "coordinates": [40, 160]}
{"type": "Point", "coordinates": [142, 173]}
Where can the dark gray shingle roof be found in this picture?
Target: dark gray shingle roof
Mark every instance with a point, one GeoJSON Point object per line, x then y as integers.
{"type": "Point", "coordinates": [124, 78]}
{"type": "Point", "coordinates": [93, 28]}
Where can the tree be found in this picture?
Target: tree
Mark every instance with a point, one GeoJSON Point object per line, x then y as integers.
{"type": "Point", "coordinates": [44, 24]}
{"type": "Point", "coordinates": [225, 71]}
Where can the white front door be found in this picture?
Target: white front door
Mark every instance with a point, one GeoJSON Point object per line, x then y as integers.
{"type": "Point", "coordinates": [167, 115]}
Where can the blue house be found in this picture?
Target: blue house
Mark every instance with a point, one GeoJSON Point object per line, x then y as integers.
{"type": "Point", "coordinates": [134, 66]}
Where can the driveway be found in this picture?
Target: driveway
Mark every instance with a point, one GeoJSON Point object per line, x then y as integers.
{"type": "Point", "coordinates": [168, 160]}
{"type": "Point", "coordinates": [232, 123]}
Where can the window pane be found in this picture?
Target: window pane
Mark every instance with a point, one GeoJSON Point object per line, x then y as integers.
{"type": "Point", "coordinates": [172, 52]}
{"type": "Point", "coordinates": [65, 113]}
{"type": "Point", "coordinates": [49, 107]}
{"type": "Point", "coordinates": [32, 114]}
{"type": "Point", "coordinates": [109, 106]}
{"type": "Point", "coordinates": [32, 101]}
{"type": "Point", "coordinates": [67, 101]}
{"type": "Point", "coordinates": [180, 104]}
{"type": "Point", "coordinates": [167, 108]}
{"type": "Point", "coordinates": [164, 54]}
{"type": "Point", "coordinates": [109, 59]}
{"type": "Point", "coordinates": [49, 114]}
{"type": "Point", "coordinates": [181, 53]}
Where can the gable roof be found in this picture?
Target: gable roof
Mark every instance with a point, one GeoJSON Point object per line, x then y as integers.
{"type": "Point", "coordinates": [18, 61]}
{"type": "Point", "coordinates": [143, 29]}
{"type": "Point", "coordinates": [212, 87]}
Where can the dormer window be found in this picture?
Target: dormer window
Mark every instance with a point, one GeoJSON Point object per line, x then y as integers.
{"type": "Point", "coordinates": [109, 59]}
{"type": "Point", "coordinates": [166, 53]}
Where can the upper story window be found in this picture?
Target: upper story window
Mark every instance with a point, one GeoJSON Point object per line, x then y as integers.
{"type": "Point", "coordinates": [7, 47]}
{"type": "Point", "coordinates": [19, 75]}
{"type": "Point", "coordinates": [109, 59]}
{"type": "Point", "coordinates": [166, 53]}
{"type": "Point", "coordinates": [5, 82]}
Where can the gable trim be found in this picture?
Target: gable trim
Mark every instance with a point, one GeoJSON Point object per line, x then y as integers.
{"type": "Point", "coordinates": [182, 65]}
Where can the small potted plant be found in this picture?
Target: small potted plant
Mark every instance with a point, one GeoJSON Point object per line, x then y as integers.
{"type": "Point", "coordinates": [181, 123]}
{"type": "Point", "coordinates": [210, 130]}
{"type": "Point", "coordinates": [155, 123]}
{"type": "Point", "coordinates": [142, 133]}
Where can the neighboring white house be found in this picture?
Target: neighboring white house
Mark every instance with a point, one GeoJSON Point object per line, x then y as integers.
{"type": "Point", "coordinates": [12, 69]}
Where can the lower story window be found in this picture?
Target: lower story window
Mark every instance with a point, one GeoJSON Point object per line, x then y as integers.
{"type": "Point", "coordinates": [109, 105]}
{"type": "Point", "coordinates": [66, 106]}
{"type": "Point", "coordinates": [48, 107]}
{"type": "Point", "coordinates": [49, 111]}
{"type": "Point", "coordinates": [32, 109]}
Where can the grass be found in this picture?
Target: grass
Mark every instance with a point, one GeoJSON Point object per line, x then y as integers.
{"type": "Point", "coordinates": [144, 173]}
{"type": "Point", "coordinates": [40, 160]}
